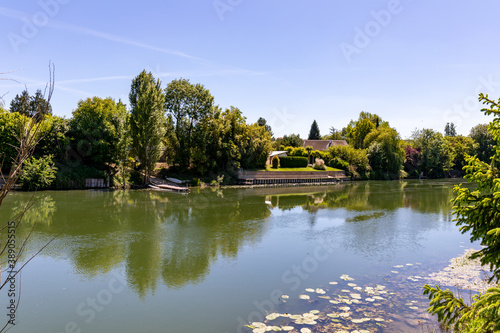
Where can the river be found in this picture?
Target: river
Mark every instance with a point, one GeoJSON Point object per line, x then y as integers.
{"type": "Point", "coordinates": [354, 256]}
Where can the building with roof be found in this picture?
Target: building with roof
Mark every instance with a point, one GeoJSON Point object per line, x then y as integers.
{"type": "Point", "coordinates": [323, 145]}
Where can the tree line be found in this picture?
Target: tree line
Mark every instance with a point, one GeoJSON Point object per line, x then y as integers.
{"type": "Point", "coordinates": [377, 151]}
{"type": "Point", "coordinates": [181, 126]}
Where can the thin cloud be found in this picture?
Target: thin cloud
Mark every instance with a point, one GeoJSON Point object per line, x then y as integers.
{"type": "Point", "coordinates": [18, 15]}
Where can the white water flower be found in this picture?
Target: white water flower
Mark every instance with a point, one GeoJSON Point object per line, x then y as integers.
{"type": "Point", "coordinates": [333, 282]}
{"type": "Point", "coordinates": [304, 297]}
{"type": "Point", "coordinates": [399, 266]}
{"type": "Point", "coordinates": [369, 300]}
{"type": "Point", "coordinates": [346, 277]}
{"type": "Point", "coordinates": [345, 308]}
{"type": "Point", "coordinates": [285, 296]}
{"type": "Point", "coordinates": [320, 291]}
{"type": "Point", "coordinates": [314, 311]}
{"type": "Point", "coordinates": [310, 290]}
{"type": "Point", "coordinates": [352, 285]}
{"type": "Point", "coordinates": [395, 272]}
{"type": "Point", "coordinates": [358, 296]}
{"type": "Point", "coordinates": [287, 328]}
{"type": "Point", "coordinates": [305, 330]}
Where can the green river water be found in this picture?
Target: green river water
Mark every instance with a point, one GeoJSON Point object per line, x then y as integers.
{"type": "Point", "coordinates": [217, 260]}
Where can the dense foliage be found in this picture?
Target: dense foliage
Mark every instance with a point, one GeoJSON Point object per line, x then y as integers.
{"type": "Point", "coordinates": [476, 213]}
{"type": "Point", "coordinates": [147, 121]}
{"type": "Point", "coordinates": [180, 126]}
{"type": "Point", "coordinates": [38, 173]}
{"type": "Point", "coordinates": [293, 162]}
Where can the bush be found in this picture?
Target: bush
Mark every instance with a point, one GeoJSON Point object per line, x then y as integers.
{"type": "Point", "coordinates": [71, 178]}
{"type": "Point", "coordinates": [275, 162]}
{"type": "Point", "coordinates": [299, 151]}
{"type": "Point", "coordinates": [38, 173]}
{"type": "Point", "coordinates": [356, 157]}
{"type": "Point", "coordinates": [293, 162]}
{"type": "Point", "coordinates": [339, 163]}
{"type": "Point", "coordinates": [319, 164]}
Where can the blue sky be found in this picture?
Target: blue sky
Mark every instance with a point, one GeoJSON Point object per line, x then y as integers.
{"type": "Point", "coordinates": [415, 63]}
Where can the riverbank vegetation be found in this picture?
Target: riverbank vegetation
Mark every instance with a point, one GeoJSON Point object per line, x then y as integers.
{"type": "Point", "coordinates": [476, 211]}
{"type": "Point", "coordinates": [181, 127]}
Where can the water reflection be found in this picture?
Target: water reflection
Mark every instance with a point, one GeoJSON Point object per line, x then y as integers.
{"type": "Point", "coordinates": [170, 239]}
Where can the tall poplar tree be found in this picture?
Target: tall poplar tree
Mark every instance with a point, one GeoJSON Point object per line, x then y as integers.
{"type": "Point", "coordinates": [147, 120]}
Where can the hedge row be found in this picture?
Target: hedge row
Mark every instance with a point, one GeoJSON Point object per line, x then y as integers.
{"type": "Point", "coordinates": [293, 162]}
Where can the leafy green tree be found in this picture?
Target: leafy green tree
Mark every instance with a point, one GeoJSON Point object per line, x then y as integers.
{"type": "Point", "coordinates": [147, 121]}
{"type": "Point", "coordinates": [461, 146]}
{"type": "Point", "coordinates": [360, 131]}
{"type": "Point", "coordinates": [187, 104]}
{"type": "Point", "coordinates": [356, 131]}
{"type": "Point", "coordinates": [357, 158]}
{"type": "Point", "coordinates": [476, 214]}
{"type": "Point", "coordinates": [450, 130]}
{"type": "Point", "coordinates": [436, 156]}
{"type": "Point", "coordinates": [292, 140]}
{"type": "Point", "coordinates": [483, 142]}
{"type": "Point", "coordinates": [98, 130]}
{"type": "Point", "coordinates": [11, 125]}
{"type": "Point", "coordinates": [30, 105]}
{"type": "Point", "coordinates": [263, 122]}
{"type": "Point", "coordinates": [314, 132]}
{"type": "Point", "coordinates": [55, 139]}
{"type": "Point", "coordinates": [21, 103]}
{"type": "Point", "coordinates": [334, 134]}
{"type": "Point", "coordinates": [38, 173]}
{"type": "Point", "coordinates": [259, 145]}
{"type": "Point", "coordinates": [384, 152]}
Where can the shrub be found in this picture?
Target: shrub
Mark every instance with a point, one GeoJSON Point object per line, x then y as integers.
{"type": "Point", "coordinates": [293, 162]}
{"type": "Point", "coordinates": [299, 151]}
{"type": "Point", "coordinates": [319, 164]}
{"type": "Point", "coordinates": [339, 163]}
{"type": "Point", "coordinates": [275, 162]}
{"type": "Point", "coordinates": [355, 157]}
{"type": "Point", "coordinates": [38, 173]}
{"type": "Point", "coordinates": [71, 178]}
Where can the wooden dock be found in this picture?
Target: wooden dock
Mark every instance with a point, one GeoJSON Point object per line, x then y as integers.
{"type": "Point", "coordinates": [171, 188]}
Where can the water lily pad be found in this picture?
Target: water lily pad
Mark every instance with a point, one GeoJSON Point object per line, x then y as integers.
{"type": "Point", "coordinates": [395, 272]}
{"type": "Point", "coordinates": [287, 328]}
{"type": "Point", "coordinates": [272, 316]}
{"type": "Point", "coordinates": [333, 282]}
{"type": "Point", "coordinates": [310, 290]}
{"type": "Point", "coordinates": [369, 300]}
{"type": "Point", "coordinates": [345, 308]}
{"type": "Point", "coordinates": [305, 330]}
{"type": "Point", "coordinates": [399, 266]}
